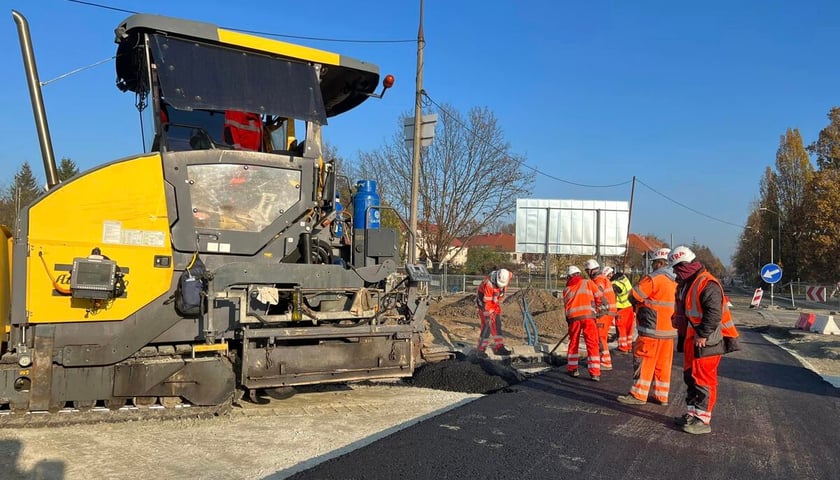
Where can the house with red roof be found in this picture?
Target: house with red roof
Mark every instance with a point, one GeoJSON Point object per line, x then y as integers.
{"type": "Point", "coordinates": [506, 242]}
{"type": "Point", "coordinates": [499, 242]}
{"type": "Point", "coordinates": [641, 244]}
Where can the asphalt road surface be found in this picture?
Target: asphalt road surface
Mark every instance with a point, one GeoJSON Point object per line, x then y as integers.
{"type": "Point", "coordinates": [774, 420]}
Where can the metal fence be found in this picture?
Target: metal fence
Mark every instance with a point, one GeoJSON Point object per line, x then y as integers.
{"type": "Point", "coordinates": [444, 284]}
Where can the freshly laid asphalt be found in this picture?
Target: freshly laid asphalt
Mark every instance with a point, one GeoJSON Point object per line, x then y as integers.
{"type": "Point", "coordinates": [774, 420]}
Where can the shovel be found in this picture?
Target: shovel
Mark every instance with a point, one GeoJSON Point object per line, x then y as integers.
{"type": "Point", "coordinates": [558, 343]}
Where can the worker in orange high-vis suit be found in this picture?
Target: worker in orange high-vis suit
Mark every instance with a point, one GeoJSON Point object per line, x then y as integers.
{"type": "Point", "coordinates": [582, 299]}
{"type": "Point", "coordinates": [488, 298]}
{"type": "Point", "coordinates": [243, 130]}
{"type": "Point", "coordinates": [606, 317]}
{"type": "Point", "coordinates": [653, 298]}
{"type": "Point", "coordinates": [625, 318]}
{"type": "Point", "coordinates": [702, 310]}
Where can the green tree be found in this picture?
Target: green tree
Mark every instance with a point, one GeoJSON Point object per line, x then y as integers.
{"type": "Point", "coordinates": [747, 257]}
{"type": "Point", "coordinates": [23, 191]}
{"type": "Point", "coordinates": [826, 148]}
{"type": "Point", "coordinates": [481, 260]}
{"type": "Point", "coordinates": [822, 228]}
{"type": "Point", "coordinates": [779, 213]}
{"type": "Point", "coordinates": [793, 175]}
{"type": "Point", "coordinates": [708, 259]}
{"type": "Point", "coordinates": [754, 242]}
{"type": "Point", "coordinates": [469, 177]}
{"type": "Point", "coordinates": [67, 169]}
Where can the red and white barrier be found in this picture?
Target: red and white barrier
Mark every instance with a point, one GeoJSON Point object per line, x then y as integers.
{"type": "Point", "coordinates": [816, 294]}
{"type": "Point", "coordinates": [756, 301]}
{"type": "Point", "coordinates": [806, 320]}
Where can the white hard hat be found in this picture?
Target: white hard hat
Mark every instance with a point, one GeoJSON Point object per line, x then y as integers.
{"type": "Point", "coordinates": [591, 264]}
{"type": "Point", "coordinates": [661, 254]}
{"type": "Point", "coordinates": [503, 277]}
{"type": "Point", "coordinates": [573, 270]}
{"type": "Point", "coordinates": [608, 271]}
{"type": "Point", "coordinates": [681, 254]}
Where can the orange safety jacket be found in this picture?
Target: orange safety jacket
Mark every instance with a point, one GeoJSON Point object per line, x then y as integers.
{"type": "Point", "coordinates": [582, 298]}
{"type": "Point", "coordinates": [654, 297]}
{"type": "Point", "coordinates": [243, 130]}
{"type": "Point", "coordinates": [488, 296]}
{"type": "Point", "coordinates": [609, 295]}
{"type": "Point", "coordinates": [694, 309]}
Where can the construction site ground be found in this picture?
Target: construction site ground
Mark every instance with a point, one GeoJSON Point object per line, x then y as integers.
{"type": "Point", "coordinates": [282, 437]}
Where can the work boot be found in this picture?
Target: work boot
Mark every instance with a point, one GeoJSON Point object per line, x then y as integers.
{"type": "Point", "coordinates": [683, 420]}
{"type": "Point", "coordinates": [596, 378]}
{"type": "Point", "coordinates": [630, 400]}
{"type": "Point", "coordinates": [696, 426]}
{"type": "Point", "coordinates": [574, 373]}
{"type": "Point", "coordinates": [502, 351]}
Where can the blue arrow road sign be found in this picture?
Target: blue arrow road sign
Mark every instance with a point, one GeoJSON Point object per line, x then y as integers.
{"type": "Point", "coordinates": [771, 273]}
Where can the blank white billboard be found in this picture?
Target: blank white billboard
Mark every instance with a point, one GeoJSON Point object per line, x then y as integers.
{"type": "Point", "coordinates": [572, 227]}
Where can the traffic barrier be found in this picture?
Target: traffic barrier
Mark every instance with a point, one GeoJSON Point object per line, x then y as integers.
{"type": "Point", "coordinates": [806, 320]}
{"type": "Point", "coordinates": [826, 325]}
{"type": "Point", "coordinates": [756, 301]}
{"type": "Point", "coordinates": [815, 294]}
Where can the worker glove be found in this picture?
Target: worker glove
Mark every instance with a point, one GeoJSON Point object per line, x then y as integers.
{"type": "Point", "coordinates": [603, 309]}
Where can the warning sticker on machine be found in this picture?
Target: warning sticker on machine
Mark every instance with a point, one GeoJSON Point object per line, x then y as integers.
{"type": "Point", "coordinates": [113, 233]}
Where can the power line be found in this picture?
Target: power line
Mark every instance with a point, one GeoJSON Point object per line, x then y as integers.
{"type": "Point", "coordinates": [520, 162]}
{"type": "Point", "coordinates": [257, 32]}
{"type": "Point", "coordinates": [698, 212]}
{"type": "Point", "coordinates": [80, 69]}
{"type": "Point", "coordinates": [456, 120]}
{"type": "Point", "coordinates": [106, 7]}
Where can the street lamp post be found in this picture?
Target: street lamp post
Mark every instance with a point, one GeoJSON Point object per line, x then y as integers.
{"type": "Point", "coordinates": [779, 229]}
{"type": "Point", "coordinates": [779, 259]}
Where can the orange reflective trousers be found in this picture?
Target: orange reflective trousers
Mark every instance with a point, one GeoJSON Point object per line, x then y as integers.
{"type": "Point", "coordinates": [700, 375]}
{"type": "Point", "coordinates": [604, 324]}
{"type": "Point", "coordinates": [652, 360]}
{"type": "Point", "coordinates": [624, 323]}
{"type": "Point", "coordinates": [590, 338]}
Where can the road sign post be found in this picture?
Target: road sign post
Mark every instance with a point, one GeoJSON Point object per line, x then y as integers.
{"type": "Point", "coordinates": [771, 273]}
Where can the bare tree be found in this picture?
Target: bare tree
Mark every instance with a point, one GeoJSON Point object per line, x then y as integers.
{"type": "Point", "coordinates": [469, 177]}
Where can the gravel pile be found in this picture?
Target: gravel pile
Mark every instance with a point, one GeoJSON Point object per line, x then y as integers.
{"type": "Point", "coordinates": [472, 375]}
{"type": "Point", "coordinates": [545, 309]}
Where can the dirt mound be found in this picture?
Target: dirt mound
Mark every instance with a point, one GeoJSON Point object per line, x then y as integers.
{"type": "Point", "coordinates": [454, 319]}
{"type": "Point", "coordinates": [474, 375]}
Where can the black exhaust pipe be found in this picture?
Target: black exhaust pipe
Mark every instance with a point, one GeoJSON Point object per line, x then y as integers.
{"type": "Point", "coordinates": [306, 247]}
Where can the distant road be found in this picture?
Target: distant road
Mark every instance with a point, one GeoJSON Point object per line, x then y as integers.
{"type": "Point", "coordinates": [774, 420]}
{"type": "Point", "coordinates": [782, 299]}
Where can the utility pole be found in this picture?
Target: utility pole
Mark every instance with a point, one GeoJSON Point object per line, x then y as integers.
{"type": "Point", "coordinates": [629, 218]}
{"type": "Point", "coordinates": [416, 143]}
{"type": "Point", "coordinates": [771, 261]}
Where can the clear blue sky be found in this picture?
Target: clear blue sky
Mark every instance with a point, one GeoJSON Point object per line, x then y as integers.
{"type": "Point", "coordinates": [691, 98]}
